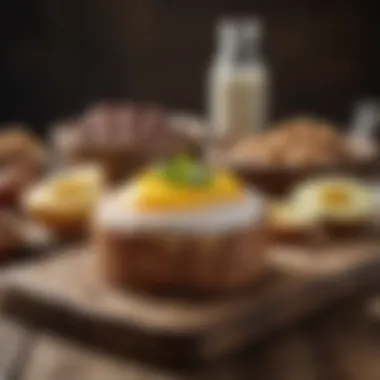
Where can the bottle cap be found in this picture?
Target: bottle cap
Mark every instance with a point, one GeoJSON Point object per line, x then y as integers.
{"type": "Point", "coordinates": [239, 38]}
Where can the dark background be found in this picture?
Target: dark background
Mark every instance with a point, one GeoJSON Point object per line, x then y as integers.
{"type": "Point", "coordinates": [59, 55]}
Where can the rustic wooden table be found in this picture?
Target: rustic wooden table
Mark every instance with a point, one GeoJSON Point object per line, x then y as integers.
{"type": "Point", "coordinates": [340, 344]}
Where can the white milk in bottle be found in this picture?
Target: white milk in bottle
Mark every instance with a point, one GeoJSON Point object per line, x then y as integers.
{"type": "Point", "coordinates": [238, 80]}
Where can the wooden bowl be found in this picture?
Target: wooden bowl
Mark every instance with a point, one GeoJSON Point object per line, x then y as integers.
{"type": "Point", "coordinates": [278, 181]}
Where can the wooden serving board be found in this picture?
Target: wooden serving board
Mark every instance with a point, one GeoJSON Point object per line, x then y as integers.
{"type": "Point", "coordinates": [65, 294]}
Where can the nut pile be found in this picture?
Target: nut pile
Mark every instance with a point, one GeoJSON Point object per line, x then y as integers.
{"type": "Point", "coordinates": [297, 142]}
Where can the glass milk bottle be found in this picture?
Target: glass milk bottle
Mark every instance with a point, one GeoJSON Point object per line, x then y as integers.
{"type": "Point", "coordinates": [238, 80]}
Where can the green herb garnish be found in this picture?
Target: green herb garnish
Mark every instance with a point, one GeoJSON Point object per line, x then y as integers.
{"type": "Point", "coordinates": [185, 171]}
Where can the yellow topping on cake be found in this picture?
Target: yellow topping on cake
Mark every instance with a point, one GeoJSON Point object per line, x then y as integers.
{"type": "Point", "coordinates": [183, 185]}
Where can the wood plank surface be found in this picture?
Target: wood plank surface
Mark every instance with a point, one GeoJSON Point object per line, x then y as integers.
{"type": "Point", "coordinates": [323, 259]}
{"type": "Point", "coordinates": [66, 294]}
{"type": "Point", "coordinates": [349, 343]}
{"type": "Point", "coordinates": [14, 342]}
{"type": "Point", "coordinates": [56, 359]}
{"type": "Point", "coordinates": [342, 343]}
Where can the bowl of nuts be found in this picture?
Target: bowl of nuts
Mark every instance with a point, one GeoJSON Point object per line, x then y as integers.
{"type": "Point", "coordinates": [295, 150]}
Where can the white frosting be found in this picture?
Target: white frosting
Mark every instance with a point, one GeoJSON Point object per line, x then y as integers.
{"type": "Point", "coordinates": [117, 215]}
